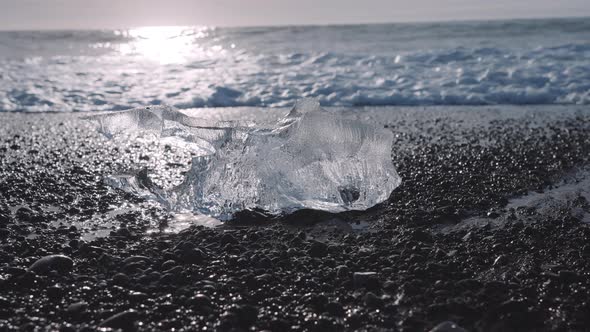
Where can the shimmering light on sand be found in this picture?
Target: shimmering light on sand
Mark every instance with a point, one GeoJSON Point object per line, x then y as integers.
{"type": "Point", "coordinates": [166, 45]}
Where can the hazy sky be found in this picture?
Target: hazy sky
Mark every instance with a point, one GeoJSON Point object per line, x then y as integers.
{"type": "Point", "coordinates": [76, 14]}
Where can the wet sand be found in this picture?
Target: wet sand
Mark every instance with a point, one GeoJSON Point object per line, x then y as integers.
{"type": "Point", "coordinates": [457, 241]}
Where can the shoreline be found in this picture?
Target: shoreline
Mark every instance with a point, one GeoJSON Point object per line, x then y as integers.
{"type": "Point", "coordinates": [456, 163]}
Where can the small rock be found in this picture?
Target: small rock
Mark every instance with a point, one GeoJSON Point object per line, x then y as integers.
{"type": "Point", "coordinates": [152, 276]}
{"type": "Point", "coordinates": [360, 279]}
{"type": "Point", "coordinates": [59, 263]}
{"type": "Point", "coordinates": [200, 300]}
{"type": "Point", "coordinates": [132, 268]}
{"type": "Point", "coordinates": [421, 236]}
{"type": "Point", "coordinates": [137, 296]}
{"type": "Point", "coordinates": [135, 259]}
{"type": "Point", "coordinates": [4, 303]}
{"type": "Point", "coordinates": [342, 271]}
{"type": "Point", "coordinates": [167, 265]}
{"type": "Point", "coordinates": [247, 315]}
{"type": "Point", "coordinates": [568, 276]}
{"type": "Point", "coordinates": [14, 271]}
{"type": "Point", "coordinates": [174, 270]}
{"type": "Point", "coordinates": [165, 308]}
{"type": "Point", "coordinates": [493, 214]}
{"type": "Point", "coordinates": [335, 309]}
{"type": "Point", "coordinates": [500, 260]}
{"type": "Point", "coordinates": [123, 232]}
{"type": "Point", "coordinates": [4, 218]}
{"type": "Point", "coordinates": [168, 278]}
{"type": "Point", "coordinates": [318, 249]}
{"type": "Point", "coordinates": [372, 300]}
{"type": "Point", "coordinates": [448, 326]}
{"type": "Point", "coordinates": [470, 284]}
{"type": "Point", "coordinates": [77, 308]}
{"type": "Point", "coordinates": [264, 278]}
{"type": "Point", "coordinates": [228, 239]}
{"type": "Point", "coordinates": [55, 292]}
{"type": "Point", "coordinates": [513, 305]}
{"type": "Point", "coordinates": [193, 256]}
{"type": "Point", "coordinates": [452, 253]}
{"type": "Point", "coordinates": [264, 263]}
{"type": "Point", "coordinates": [467, 237]}
{"type": "Point", "coordinates": [120, 279]}
{"type": "Point", "coordinates": [124, 320]}
{"type": "Point", "coordinates": [4, 233]}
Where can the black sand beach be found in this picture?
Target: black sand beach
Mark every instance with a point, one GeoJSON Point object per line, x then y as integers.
{"type": "Point", "coordinates": [449, 245]}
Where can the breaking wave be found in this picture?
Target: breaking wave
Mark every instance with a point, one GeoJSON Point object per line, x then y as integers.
{"type": "Point", "coordinates": [515, 62]}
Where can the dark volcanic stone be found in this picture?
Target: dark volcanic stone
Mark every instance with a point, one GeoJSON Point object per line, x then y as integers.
{"type": "Point", "coordinates": [193, 256]}
{"type": "Point", "coordinates": [372, 300]}
{"type": "Point", "coordinates": [361, 278]}
{"type": "Point", "coordinates": [282, 274]}
{"type": "Point", "coordinates": [470, 284]}
{"type": "Point", "coordinates": [448, 326]}
{"type": "Point", "coordinates": [200, 300]}
{"type": "Point", "coordinates": [500, 260]}
{"type": "Point", "coordinates": [49, 263]}
{"type": "Point", "coordinates": [228, 239]}
{"type": "Point", "coordinates": [6, 308]}
{"type": "Point", "coordinates": [28, 279]}
{"type": "Point", "coordinates": [318, 249]}
{"type": "Point", "coordinates": [568, 276]}
{"type": "Point", "coordinates": [124, 320]}
{"type": "Point", "coordinates": [137, 297]}
{"type": "Point", "coordinates": [334, 309]}
{"type": "Point", "coordinates": [4, 303]}
{"type": "Point", "coordinates": [168, 264]}
{"type": "Point", "coordinates": [4, 218]}
{"type": "Point", "coordinates": [246, 315]}
{"type": "Point", "coordinates": [264, 263]}
{"type": "Point", "coordinates": [342, 271]}
{"type": "Point", "coordinates": [55, 292]}
{"type": "Point", "coordinates": [77, 308]}
{"type": "Point", "coordinates": [137, 259]}
{"type": "Point", "coordinates": [121, 279]}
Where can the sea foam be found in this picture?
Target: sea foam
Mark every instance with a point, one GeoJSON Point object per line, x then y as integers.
{"type": "Point", "coordinates": [477, 63]}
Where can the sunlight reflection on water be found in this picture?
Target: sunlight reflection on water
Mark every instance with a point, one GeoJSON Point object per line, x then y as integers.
{"type": "Point", "coordinates": [166, 45]}
{"type": "Point", "coordinates": [477, 63]}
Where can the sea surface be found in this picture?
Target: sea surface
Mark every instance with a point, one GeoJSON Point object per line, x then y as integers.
{"type": "Point", "coordinates": [459, 63]}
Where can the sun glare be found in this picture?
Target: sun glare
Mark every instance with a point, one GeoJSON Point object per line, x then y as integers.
{"type": "Point", "coordinates": [166, 45]}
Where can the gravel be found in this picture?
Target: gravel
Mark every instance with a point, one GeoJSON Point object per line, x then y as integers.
{"type": "Point", "coordinates": [408, 270]}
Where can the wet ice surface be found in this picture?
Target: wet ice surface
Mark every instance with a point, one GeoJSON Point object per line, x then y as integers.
{"type": "Point", "coordinates": [571, 193]}
{"type": "Point", "coordinates": [568, 196]}
{"type": "Point", "coordinates": [309, 159]}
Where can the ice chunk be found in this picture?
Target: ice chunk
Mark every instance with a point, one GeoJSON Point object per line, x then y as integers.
{"type": "Point", "coordinates": [199, 135]}
{"type": "Point", "coordinates": [138, 184]}
{"type": "Point", "coordinates": [311, 159]}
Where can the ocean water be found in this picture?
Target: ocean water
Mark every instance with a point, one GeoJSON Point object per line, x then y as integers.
{"type": "Point", "coordinates": [459, 63]}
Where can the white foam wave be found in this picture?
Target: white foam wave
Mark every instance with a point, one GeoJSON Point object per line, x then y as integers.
{"type": "Point", "coordinates": [511, 63]}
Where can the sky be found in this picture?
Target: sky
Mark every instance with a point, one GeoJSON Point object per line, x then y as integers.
{"type": "Point", "coordinates": [89, 14]}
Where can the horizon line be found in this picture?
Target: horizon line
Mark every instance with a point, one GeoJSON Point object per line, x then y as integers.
{"type": "Point", "coordinates": [426, 21]}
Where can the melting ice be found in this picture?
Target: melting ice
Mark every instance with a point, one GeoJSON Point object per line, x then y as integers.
{"type": "Point", "coordinates": [310, 159]}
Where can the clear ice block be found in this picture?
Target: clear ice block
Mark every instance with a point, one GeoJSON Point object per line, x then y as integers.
{"type": "Point", "coordinates": [311, 159]}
